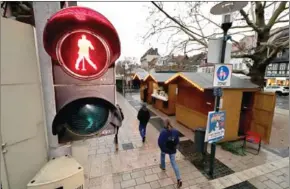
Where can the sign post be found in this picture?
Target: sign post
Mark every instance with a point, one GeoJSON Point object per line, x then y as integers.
{"type": "Point", "coordinates": [222, 74]}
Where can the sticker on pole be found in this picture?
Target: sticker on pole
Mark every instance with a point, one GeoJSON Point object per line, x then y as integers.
{"type": "Point", "coordinates": [222, 75]}
{"type": "Point", "coordinates": [215, 129]}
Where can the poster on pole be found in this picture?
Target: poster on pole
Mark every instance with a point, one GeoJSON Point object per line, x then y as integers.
{"type": "Point", "coordinates": [222, 75]}
{"type": "Point", "coordinates": [215, 129]}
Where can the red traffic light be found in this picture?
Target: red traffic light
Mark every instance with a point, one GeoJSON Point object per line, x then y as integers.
{"type": "Point", "coordinates": [83, 41]}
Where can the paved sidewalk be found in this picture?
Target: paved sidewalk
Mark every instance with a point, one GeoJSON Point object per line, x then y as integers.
{"type": "Point", "coordinates": [136, 165]}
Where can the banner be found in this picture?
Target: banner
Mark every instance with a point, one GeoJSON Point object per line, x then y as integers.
{"type": "Point", "coordinates": [215, 128]}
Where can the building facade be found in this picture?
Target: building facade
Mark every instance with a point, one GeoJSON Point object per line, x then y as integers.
{"type": "Point", "coordinates": [149, 55]}
{"type": "Point", "coordinates": [277, 73]}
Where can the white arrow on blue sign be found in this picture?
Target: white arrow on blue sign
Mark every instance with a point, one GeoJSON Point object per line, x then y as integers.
{"type": "Point", "coordinates": [222, 75]}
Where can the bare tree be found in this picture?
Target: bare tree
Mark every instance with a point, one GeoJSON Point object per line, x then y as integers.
{"type": "Point", "coordinates": [187, 28]}
{"type": "Point", "coordinates": [126, 65]}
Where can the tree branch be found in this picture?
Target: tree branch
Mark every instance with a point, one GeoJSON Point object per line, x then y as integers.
{"type": "Point", "coordinates": [249, 22]}
{"type": "Point", "coordinates": [276, 14]}
{"type": "Point", "coordinates": [242, 56]}
{"type": "Point", "coordinates": [183, 28]}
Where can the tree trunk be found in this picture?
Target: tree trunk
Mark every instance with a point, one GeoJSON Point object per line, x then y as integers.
{"type": "Point", "coordinates": [257, 74]}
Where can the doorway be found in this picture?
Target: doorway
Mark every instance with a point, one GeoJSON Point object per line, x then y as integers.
{"type": "Point", "coordinates": [246, 112]}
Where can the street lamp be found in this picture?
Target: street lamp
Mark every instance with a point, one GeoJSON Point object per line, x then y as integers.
{"type": "Point", "coordinates": [225, 9]}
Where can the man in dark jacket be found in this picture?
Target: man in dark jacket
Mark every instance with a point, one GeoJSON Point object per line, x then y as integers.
{"type": "Point", "coordinates": [168, 141]}
{"type": "Point", "coordinates": [143, 117]}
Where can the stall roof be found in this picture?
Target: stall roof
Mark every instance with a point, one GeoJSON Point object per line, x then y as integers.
{"type": "Point", "coordinates": [140, 75]}
{"type": "Point", "coordinates": [161, 77]}
{"type": "Point", "coordinates": [205, 81]}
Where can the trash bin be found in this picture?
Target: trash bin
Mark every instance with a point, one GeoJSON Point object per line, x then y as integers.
{"type": "Point", "coordinates": [199, 136]}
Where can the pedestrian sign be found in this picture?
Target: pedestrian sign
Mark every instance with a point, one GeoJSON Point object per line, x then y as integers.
{"type": "Point", "coordinates": [215, 129]}
{"type": "Point", "coordinates": [222, 75]}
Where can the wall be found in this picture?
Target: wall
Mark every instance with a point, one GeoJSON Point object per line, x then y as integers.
{"type": "Point", "coordinates": [22, 117]}
{"type": "Point", "coordinates": [192, 105]}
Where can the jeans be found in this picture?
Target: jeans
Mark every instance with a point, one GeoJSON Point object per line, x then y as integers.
{"type": "Point", "coordinates": [142, 130]}
{"type": "Point", "coordinates": [173, 164]}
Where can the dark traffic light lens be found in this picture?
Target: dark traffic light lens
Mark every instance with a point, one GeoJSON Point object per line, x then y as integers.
{"type": "Point", "coordinates": [87, 119]}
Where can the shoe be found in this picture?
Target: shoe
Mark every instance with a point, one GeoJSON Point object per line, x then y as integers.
{"type": "Point", "coordinates": [161, 167]}
{"type": "Point", "coordinates": [179, 183]}
{"type": "Point", "coordinates": [143, 140]}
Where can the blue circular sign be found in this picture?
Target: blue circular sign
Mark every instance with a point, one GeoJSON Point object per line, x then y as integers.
{"type": "Point", "coordinates": [223, 73]}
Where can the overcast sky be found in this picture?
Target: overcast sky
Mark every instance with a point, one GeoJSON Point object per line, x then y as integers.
{"type": "Point", "coordinates": [129, 19]}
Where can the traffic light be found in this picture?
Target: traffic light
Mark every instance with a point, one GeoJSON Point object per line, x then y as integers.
{"type": "Point", "coordinates": [84, 46]}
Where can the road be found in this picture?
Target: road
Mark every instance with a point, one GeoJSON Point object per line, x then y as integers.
{"type": "Point", "coordinates": [282, 102]}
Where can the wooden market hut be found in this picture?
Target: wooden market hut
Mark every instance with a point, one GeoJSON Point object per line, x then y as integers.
{"type": "Point", "coordinates": [247, 108]}
{"type": "Point", "coordinates": [138, 79]}
{"type": "Point", "coordinates": [162, 96]}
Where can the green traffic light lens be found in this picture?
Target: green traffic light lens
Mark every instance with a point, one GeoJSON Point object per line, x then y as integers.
{"type": "Point", "coordinates": [88, 119]}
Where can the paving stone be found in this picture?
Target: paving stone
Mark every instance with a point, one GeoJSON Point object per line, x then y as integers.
{"type": "Point", "coordinates": [225, 182]}
{"type": "Point", "coordinates": [277, 180]}
{"type": "Point", "coordinates": [271, 184]}
{"type": "Point", "coordinates": [169, 187]}
{"type": "Point", "coordinates": [186, 177]}
{"type": "Point", "coordinates": [128, 183]}
{"type": "Point", "coordinates": [126, 176]}
{"type": "Point", "coordinates": [140, 180]}
{"type": "Point", "coordinates": [194, 187]}
{"type": "Point", "coordinates": [148, 172]}
{"type": "Point", "coordinates": [156, 170]}
{"type": "Point", "coordinates": [277, 173]}
{"type": "Point", "coordinates": [242, 176]}
{"type": "Point", "coordinates": [191, 182]}
{"type": "Point", "coordinates": [196, 174]}
{"type": "Point", "coordinates": [143, 186]}
{"type": "Point", "coordinates": [234, 179]}
{"type": "Point", "coordinates": [138, 174]}
{"type": "Point", "coordinates": [162, 175]}
{"type": "Point", "coordinates": [262, 178]}
{"type": "Point", "coordinates": [216, 184]}
{"type": "Point", "coordinates": [166, 182]}
{"type": "Point", "coordinates": [95, 181]}
{"type": "Point", "coordinates": [117, 186]}
{"type": "Point", "coordinates": [151, 178]}
{"type": "Point", "coordinates": [154, 184]}
{"type": "Point", "coordinates": [117, 178]}
{"type": "Point", "coordinates": [200, 180]}
{"type": "Point", "coordinates": [284, 184]}
{"type": "Point", "coordinates": [258, 184]}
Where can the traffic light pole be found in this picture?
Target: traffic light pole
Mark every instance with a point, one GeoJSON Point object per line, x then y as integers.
{"type": "Point", "coordinates": [42, 12]}
{"type": "Point", "coordinates": [225, 27]}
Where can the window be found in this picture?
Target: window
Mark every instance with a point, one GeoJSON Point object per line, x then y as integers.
{"type": "Point", "coordinates": [279, 54]}
{"type": "Point", "coordinates": [236, 66]}
{"type": "Point", "coordinates": [275, 67]}
{"type": "Point", "coordinates": [283, 66]}
{"type": "Point", "coordinates": [240, 66]}
{"type": "Point", "coordinates": [281, 72]}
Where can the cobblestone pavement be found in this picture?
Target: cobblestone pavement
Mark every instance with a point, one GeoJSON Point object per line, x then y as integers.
{"type": "Point", "coordinates": [136, 165]}
{"type": "Point", "coordinates": [282, 102]}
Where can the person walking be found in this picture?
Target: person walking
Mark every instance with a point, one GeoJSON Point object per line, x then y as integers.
{"type": "Point", "coordinates": [143, 117]}
{"type": "Point", "coordinates": [117, 123]}
{"type": "Point", "coordinates": [167, 142]}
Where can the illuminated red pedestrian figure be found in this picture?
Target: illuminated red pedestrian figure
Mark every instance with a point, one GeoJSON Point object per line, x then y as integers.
{"type": "Point", "coordinates": [84, 47]}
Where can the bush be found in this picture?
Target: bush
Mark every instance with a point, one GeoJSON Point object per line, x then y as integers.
{"type": "Point", "coordinates": [234, 147]}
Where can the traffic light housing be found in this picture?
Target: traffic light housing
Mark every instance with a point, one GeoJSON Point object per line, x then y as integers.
{"type": "Point", "coordinates": [85, 46]}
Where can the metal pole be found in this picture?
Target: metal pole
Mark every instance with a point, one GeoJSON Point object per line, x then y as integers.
{"type": "Point", "coordinates": [123, 81]}
{"type": "Point", "coordinates": [217, 104]}
{"type": "Point", "coordinates": [42, 12]}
